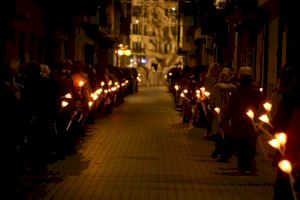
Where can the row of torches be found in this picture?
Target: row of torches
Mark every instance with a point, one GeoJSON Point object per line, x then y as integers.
{"type": "Point", "coordinates": [277, 141]}
{"type": "Point", "coordinates": [95, 95]}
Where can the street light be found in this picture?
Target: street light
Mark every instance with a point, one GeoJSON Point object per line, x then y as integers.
{"type": "Point", "coordinates": [123, 50]}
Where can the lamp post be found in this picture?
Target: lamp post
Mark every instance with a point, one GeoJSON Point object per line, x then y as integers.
{"type": "Point", "coordinates": [122, 50]}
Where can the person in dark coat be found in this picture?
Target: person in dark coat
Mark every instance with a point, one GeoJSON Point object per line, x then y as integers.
{"type": "Point", "coordinates": [286, 119]}
{"type": "Point", "coordinates": [241, 133]}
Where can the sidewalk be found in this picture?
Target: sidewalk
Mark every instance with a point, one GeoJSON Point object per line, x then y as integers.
{"type": "Point", "coordinates": [144, 151]}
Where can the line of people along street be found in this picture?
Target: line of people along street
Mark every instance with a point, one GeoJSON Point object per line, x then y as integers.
{"type": "Point", "coordinates": [44, 109]}
{"type": "Point", "coordinates": [217, 99]}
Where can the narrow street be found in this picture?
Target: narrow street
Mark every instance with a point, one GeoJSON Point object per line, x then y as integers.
{"type": "Point", "coordinates": [144, 151]}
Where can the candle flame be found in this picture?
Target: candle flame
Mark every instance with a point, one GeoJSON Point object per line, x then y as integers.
{"type": "Point", "coordinates": [185, 91]}
{"type": "Point", "coordinates": [198, 95]}
{"type": "Point", "coordinates": [197, 91]}
{"type": "Point", "coordinates": [102, 83]}
{"type": "Point", "coordinates": [109, 82]}
{"type": "Point", "coordinates": [285, 166]}
{"type": "Point", "coordinates": [274, 143]}
{"type": "Point", "coordinates": [64, 104]}
{"type": "Point", "coordinates": [261, 89]}
{"type": "Point", "coordinates": [264, 118]}
{"type": "Point", "coordinates": [81, 83]}
{"type": "Point", "coordinates": [182, 94]}
{"type": "Point", "coordinates": [206, 94]}
{"type": "Point", "coordinates": [116, 83]}
{"type": "Point", "coordinates": [99, 91]}
{"type": "Point", "coordinates": [281, 138]}
{"type": "Point", "coordinates": [105, 91]}
{"type": "Point", "coordinates": [268, 106]}
{"type": "Point", "coordinates": [176, 87]}
{"type": "Point", "coordinates": [90, 103]}
{"type": "Point", "coordinates": [68, 96]}
{"type": "Point", "coordinates": [217, 110]}
{"type": "Point", "coordinates": [250, 114]}
{"type": "Point", "coordinates": [94, 96]}
{"type": "Point", "coordinates": [202, 89]}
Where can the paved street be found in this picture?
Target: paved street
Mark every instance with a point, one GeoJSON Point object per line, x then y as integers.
{"type": "Point", "coordinates": [144, 151]}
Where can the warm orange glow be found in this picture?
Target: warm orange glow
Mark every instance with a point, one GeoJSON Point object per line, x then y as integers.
{"type": "Point", "coordinates": [281, 138]}
{"type": "Point", "coordinates": [202, 89]}
{"type": "Point", "coordinates": [68, 96]}
{"type": "Point", "coordinates": [268, 106]}
{"type": "Point", "coordinates": [105, 91]}
{"type": "Point", "coordinates": [102, 83]}
{"type": "Point", "coordinates": [120, 52]}
{"type": "Point", "coordinates": [99, 91]}
{"type": "Point", "coordinates": [206, 94]}
{"type": "Point", "coordinates": [185, 91]}
{"type": "Point", "coordinates": [250, 114]}
{"type": "Point", "coordinates": [264, 118]}
{"type": "Point", "coordinates": [170, 74]}
{"type": "Point", "coordinates": [126, 81]}
{"type": "Point", "coordinates": [217, 110]}
{"type": "Point", "coordinates": [116, 83]}
{"type": "Point", "coordinates": [94, 96]}
{"type": "Point", "coordinates": [274, 143]}
{"type": "Point", "coordinates": [81, 83]}
{"type": "Point", "coordinates": [182, 94]}
{"type": "Point", "coordinates": [109, 82]}
{"type": "Point", "coordinates": [197, 91]}
{"type": "Point", "coordinates": [127, 52]}
{"type": "Point", "coordinates": [198, 95]}
{"type": "Point", "coordinates": [90, 103]}
{"type": "Point", "coordinates": [261, 89]}
{"type": "Point", "coordinates": [285, 166]}
{"type": "Point", "coordinates": [176, 87]}
{"type": "Point", "coordinates": [64, 104]}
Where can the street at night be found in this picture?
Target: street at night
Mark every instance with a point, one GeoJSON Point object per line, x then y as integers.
{"type": "Point", "coordinates": [150, 99]}
{"type": "Point", "coordinates": [144, 151]}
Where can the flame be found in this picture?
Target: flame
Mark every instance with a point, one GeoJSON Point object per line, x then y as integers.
{"type": "Point", "coordinates": [250, 114]}
{"type": "Point", "coordinates": [285, 166]}
{"type": "Point", "coordinates": [274, 143]}
{"type": "Point", "coordinates": [217, 110]}
{"type": "Point", "coordinates": [176, 87]}
{"type": "Point", "coordinates": [206, 94]}
{"type": "Point", "coordinates": [81, 83]}
{"type": "Point", "coordinates": [126, 81]}
{"type": "Point", "coordinates": [116, 83]}
{"type": "Point", "coordinates": [90, 103]}
{"type": "Point", "coordinates": [197, 91]}
{"type": "Point", "coordinates": [64, 104]}
{"type": "Point", "coordinates": [268, 106]}
{"type": "Point", "coordinates": [261, 89]}
{"type": "Point", "coordinates": [281, 138]}
{"type": "Point", "coordinates": [105, 91]}
{"type": "Point", "coordinates": [182, 94]}
{"type": "Point", "coordinates": [68, 96]}
{"type": "Point", "coordinates": [170, 74]}
{"type": "Point", "coordinates": [198, 95]}
{"type": "Point", "coordinates": [264, 118]}
{"type": "Point", "coordinates": [109, 82]}
{"type": "Point", "coordinates": [102, 83]}
{"type": "Point", "coordinates": [185, 91]}
{"type": "Point", "coordinates": [94, 96]}
{"type": "Point", "coordinates": [99, 91]}
{"type": "Point", "coordinates": [202, 89]}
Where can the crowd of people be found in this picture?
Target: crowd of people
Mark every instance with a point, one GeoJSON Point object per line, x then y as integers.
{"type": "Point", "coordinates": [224, 98]}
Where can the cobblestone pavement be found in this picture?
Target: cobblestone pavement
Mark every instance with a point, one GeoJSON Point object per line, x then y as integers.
{"type": "Point", "coordinates": [144, 151]}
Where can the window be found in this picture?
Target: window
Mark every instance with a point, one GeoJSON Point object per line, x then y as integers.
{"type": "Point", "coordinates": [136, 11]}
{"type": "Point", "coordinates": [136, 46]}
{"type": "Point", "coordinates": [136, 29]}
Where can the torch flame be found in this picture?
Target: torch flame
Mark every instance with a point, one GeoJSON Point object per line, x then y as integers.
{"type": "Point", "coordinates": [102, 83]}
{"type": "Point", "coordinates": [206, 94]}
{"type": "Point", "coordinates": [261, 89]}
{"type": "Point", "coordinates": [81, 83]}
{"type": "Point", "coordinates": [250, 114]}
{"type": "Point", "coordinates": [90, 103]}
{"type": "Point", "coordinates": [268, 106]}
{"type": "Point", "coordinates": [64, 104]}
{"type": "Point", "coordinates": [217, 110]}
{"type": "Point", "coordinates": [197, 91]}
{"type": "Point", "coordinates": [202, 89]}
{"type": "Point", "coordinates": [285, 166]}
{"type": "Point", "coordinates": [264, 118]}
{"type": "Point", "coordinates": [68, 96]}
{"type": "Point", "coordinates": [99, 91]}
{"type": "Point", "coordinates": [281, 138]}
{"type": "Point", "coordinates": [182, 94]}
{"type": "Point", "coordinates": [185, 91]}
{"type": "Point", "coordinates": [274, 143]}
{"type": "Point", "coordinates": [176, 87]}
{"type": "Point", "coordinates": [116, 83]}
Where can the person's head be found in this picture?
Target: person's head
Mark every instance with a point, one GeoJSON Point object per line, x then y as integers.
{"type": "Point", "coordinates": [225, 75]}
{"type": "Point", "coordinates": [214, 70]}
{"type": "Point", "coordinates": [245, 76]}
